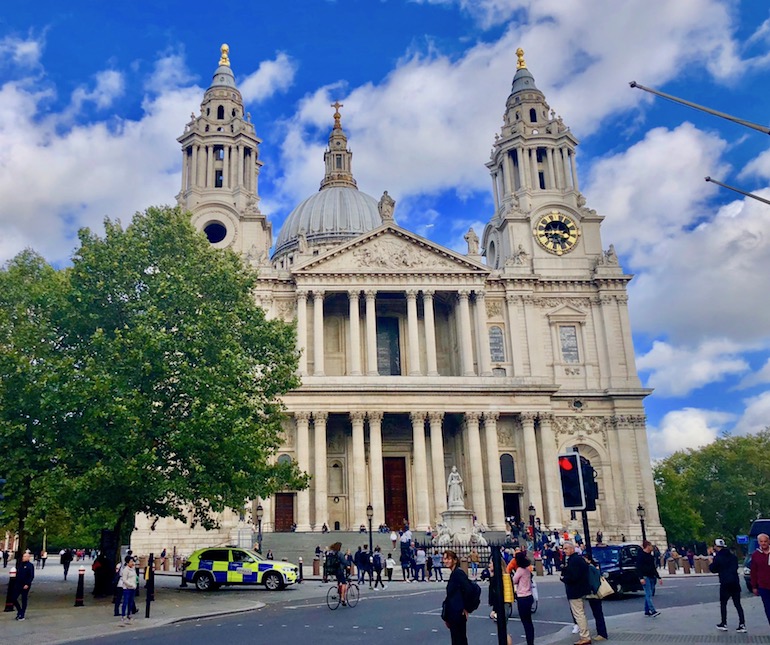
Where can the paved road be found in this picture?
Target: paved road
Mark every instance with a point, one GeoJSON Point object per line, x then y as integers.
{"type": "Point", "coordinates": [409, 611]}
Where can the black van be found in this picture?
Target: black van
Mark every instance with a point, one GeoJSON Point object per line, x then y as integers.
{"type": "Point", "coordinates": [759, 526]}
{"type": "Point", "coordinates": [618, 563]}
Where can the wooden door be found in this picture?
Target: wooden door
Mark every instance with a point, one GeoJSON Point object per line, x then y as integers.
{"type": "Point", "coordinates": [396, 507]}
{"type": "Point", "coordinates": [284, 512]}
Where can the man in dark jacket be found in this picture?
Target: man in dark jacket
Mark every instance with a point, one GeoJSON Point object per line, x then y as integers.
{"type": "Point", "coordinates": [24, 577]}
{"type": "Point", "coordinates": [648, 577]}
{"type": "Point", "coordinates": [575, 578]}
{"type": "Point", "coordinates": [726, 565]}
{"type": "Point", "coordinates": [760, 571]}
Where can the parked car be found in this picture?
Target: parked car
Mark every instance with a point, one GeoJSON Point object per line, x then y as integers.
{"type": "Point", "coordinates": [618, 563]}
{"type": "Point", "coordinates": [213, 567]}
{"type": "Point", "coordinates": [757, 527]}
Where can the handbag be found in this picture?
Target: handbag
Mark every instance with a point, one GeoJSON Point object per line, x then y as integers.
{"type": "Point", "coordinates": [605, 589]}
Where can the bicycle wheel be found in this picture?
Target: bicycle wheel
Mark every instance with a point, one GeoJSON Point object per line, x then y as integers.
{"type": "Point", "coordinates": [333, 598]}
{"type": "Point", "coordinates": [352, 595]}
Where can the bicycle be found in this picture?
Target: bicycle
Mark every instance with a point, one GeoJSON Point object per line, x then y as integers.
{"type": "Point", "coordinates": [333, 599]}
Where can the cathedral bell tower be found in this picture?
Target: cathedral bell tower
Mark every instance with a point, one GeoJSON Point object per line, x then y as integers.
{"type": "Point", "coordinates": [220, 168]}
{"type": "Point", "coordinates": [540, 220]}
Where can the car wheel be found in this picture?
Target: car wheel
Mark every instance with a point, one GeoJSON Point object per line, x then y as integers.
{"type": "Point", "coordinates": [204, 582]}
{"type": "Point", "coordinates": [273, 581]}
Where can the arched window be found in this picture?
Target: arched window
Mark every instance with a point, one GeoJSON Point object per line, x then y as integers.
{"type": "Point", "coordinates": [335, 479]}
{"type": "Point", "coordinates": [496, 344]}
{"type": "Point", "coordinates": [533, 115]}
{"type": "Point", "coordinates": [221, 112]}
{"type": "Point", "coordinates": [507, 470]}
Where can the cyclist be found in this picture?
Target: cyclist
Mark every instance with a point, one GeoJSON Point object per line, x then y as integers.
{"type": "Point", "coordinates": [335, 566]}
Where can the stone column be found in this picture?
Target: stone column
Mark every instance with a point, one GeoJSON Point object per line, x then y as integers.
{"type": "Point", "coordinates": [413, 332]}
{"type": "Point", "coordinates": [552, 181]}
{"type": "Point", "coordinates": [302, 331]}
{"type": "Point", "coordinates": [303, 462]}
{"type": "Point", "coordinates": [437, 462]}
{"type": "Point", "coordinates": [533, 322]}
{"type": "Point", "coordinates": [375, 467]}
{"type": "Point", "coordinates": [466, 341]}
{"type": "Point", "coordinates": [511, 301]}
{"type": "Point", "coordinates": [475, 461]}
{"type": "Point", "coordinates": [552, 513]}
{"type": "Point", "coordinates": [240, 165]}
{"type": "Point", "coordinates": [360, 491]}
{"type": "Point", "coordinates": [318, 332]}
{"type": "Point", "coordinates": [185, 170]}
{"type": "Point", "coordinates": [628, 466]}
{"type": "Point", "coordinates": [430, 333]}
{"type": "Point", "coordinates": [533, 468]}
{"type": "Point", "coordinates": [497, 519]}
{"type": "Point", "coordinates": [321, 485]}
{"type": "Point", "coordinates": [226, 166]}
{"type": "Point", "coordinates": [643, 455]}
{"type": "Point", "coordinates": [420, 472]}
{"type": "Point", "coordinates": [573, 168]}
{"type": "Point", "coordinates": [355, 334]}
{"type": "Point", "coordinates": [371, 334]}
{"type": "Point", "coordinates": [482, 335]}
{"type": "Point", "coordinates": [607, 307]}
{"type": "Point", "coordinates": [209, 166]}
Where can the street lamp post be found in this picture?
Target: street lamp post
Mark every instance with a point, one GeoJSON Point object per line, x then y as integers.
{"type": "Point", "coordinates": [640, 512]}
{"type": "Point", "coordinates": [752, 494]}
{"type": "Point", "coordinates": [532, 525]}
{"type": "Point", "coordinates": [260, 514]}
{"type": "Point", "coordinates": [369, 516]}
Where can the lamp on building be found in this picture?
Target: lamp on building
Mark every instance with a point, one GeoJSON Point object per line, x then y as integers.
{"type": "Point", "coordinates": [260, 514]}
{"type": "Point", "coordinates": [532, 523]}
{"type": "Point", "coordinates": [641, 512]}
{"type": "Point", "coordinates": [369, 516]}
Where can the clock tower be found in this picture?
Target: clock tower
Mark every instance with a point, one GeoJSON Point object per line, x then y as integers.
{"type": "Point", "coordinates": [540, 220]}
{"type": "Point", "coordinates": [220, 169]}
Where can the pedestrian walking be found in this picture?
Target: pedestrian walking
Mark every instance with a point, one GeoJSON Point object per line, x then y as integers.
{"type": "Point", "coordinates": [390, 565]}
{"type": "Point", "coordinates": [43, 558]}
{"type": "Point", "coordinates": [437, 564]}
{"type": "Point", "coordinates": [377, 565]}
{"type": "Point", "coordinates": [595, 603]}
{"type": "Point", "coordinates": [419, 561]}
{"type": "Point", "coordinates": [6, 555]}
{"type": "Point", "coordinates": [760, 571]}
{"type": "Point", "coordinates": [128, 581]}
{"type": "Point", "coordinates": [648, 577]}
{"type": "Point", "coordinates": [453, 611]}
{"type": "Point", "coordinates": [65, 557]}
{"type": "Point", "coordinates": [726, 565]}
{"type": "Point", "coordinates": [474, 560]}
{"type": "Point", "coordinates": [574, 575]}
{"type": "Point", "coordinates": [25, 574]}
{"type": "Point", "coordinates": [522, 583]}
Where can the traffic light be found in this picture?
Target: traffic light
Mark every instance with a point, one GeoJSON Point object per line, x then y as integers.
{"type": "Point", "coordinates": [590, 489]}
{"type": "Point", "coordinates": [571, 474]}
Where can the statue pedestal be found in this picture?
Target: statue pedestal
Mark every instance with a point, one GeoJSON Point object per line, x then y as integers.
{"type": "Point", "coordinates": [459, 524]}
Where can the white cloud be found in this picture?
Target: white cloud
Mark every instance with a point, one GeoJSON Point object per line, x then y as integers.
{"type": "Point", "coordinates": [271, 77]}
{"type": "Point", "coordinates": [109, 85]}
{"type": "Point", "coordinates": [761, 376]}
{"type": "Point", "coordinates": [756, 415]}
{"type": "Point", "coordinates": [24, 52]}
{"type": "Point", "coordinates": [686, 428]}
{"type": "Point", "coordinates": [169, 72]}
{"type": "Point", "coordinates": [677, 371]}
{"type": "Point", "coordinates": [757, 167]}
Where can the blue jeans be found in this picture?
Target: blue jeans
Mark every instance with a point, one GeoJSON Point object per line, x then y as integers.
{"type": "Point", "coordinates": [765, 595]}
{"type": "Point", "coordinates": [128, 602]}
{"type": "Point", "coordinates": [649, 591]}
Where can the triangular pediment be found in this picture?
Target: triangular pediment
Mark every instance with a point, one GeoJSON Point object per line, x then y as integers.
{"type": "Point", "coordinates": [566, 312]}
{"type": "Point", "coordinates": [391, 249]}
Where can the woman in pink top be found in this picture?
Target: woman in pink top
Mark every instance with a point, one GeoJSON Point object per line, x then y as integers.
{"type": "Point", "coordinates": [522, 583]}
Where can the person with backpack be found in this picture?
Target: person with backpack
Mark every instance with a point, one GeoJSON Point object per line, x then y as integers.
{"type": "Point", "coordinates": [335, 566]}
{"type": "Point", "coordinates": [377, 564]}
{"type": "Point", "coordinates": [462, 598]}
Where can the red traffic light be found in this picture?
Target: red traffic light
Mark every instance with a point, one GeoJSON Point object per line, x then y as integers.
{"type": "Point", "coordinates": [565, 463]}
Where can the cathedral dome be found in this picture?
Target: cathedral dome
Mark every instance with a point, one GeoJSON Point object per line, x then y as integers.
{"type": "Point", "coordinates": [333, 215]}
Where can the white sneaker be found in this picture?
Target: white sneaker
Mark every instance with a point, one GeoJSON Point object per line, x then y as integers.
{"type": "Point", "coordinates": [575, 629]}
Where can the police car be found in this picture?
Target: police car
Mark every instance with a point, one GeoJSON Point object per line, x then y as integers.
{"type": "Point", "coordinates": [213, 567]}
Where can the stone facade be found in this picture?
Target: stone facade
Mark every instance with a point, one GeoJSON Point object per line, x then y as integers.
{"type": "Point", "coordinates": [416, 358]}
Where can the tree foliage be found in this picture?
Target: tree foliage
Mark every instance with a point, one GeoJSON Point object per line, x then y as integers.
{"type": "Point", "coordinates": [704, 493]}
{"type": "Point", "coordinates": [168, 378]}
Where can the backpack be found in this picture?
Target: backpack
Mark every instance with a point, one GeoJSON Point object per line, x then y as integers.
{"type": "Point", "coordinates": [377, 562]}
{"type": "Point", "coordinates": [472, 596]}
{"type": "Point", "coordinates": [594, 578]}
{"type": "Point", "coordinates": [333, 564]}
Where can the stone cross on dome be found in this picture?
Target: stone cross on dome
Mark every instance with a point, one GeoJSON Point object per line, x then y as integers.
{"type": "Point", "coordinates": [337, 105]}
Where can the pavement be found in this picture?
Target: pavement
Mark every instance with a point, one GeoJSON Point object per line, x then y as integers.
{"type": "Point", "coordinates": [52, 617]}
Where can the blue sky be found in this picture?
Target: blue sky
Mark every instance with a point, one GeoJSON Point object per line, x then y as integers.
{"type": "Point", "coordinates": [94, 94]}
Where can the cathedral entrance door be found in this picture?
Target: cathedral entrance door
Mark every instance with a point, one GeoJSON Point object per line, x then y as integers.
{"type": "Point", "coordinates": [396, 508]}
{"type": "Point", "coordinates": [284, 512]}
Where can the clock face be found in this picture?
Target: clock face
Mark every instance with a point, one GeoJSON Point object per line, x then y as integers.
{"type": "Point", "coordinates": [557, 233]}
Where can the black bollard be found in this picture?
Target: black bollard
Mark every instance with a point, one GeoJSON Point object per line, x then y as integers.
{"type": "Point", "coordinates": [81, 587]}
{"type": "Point", "coordinates": [149, 585]}
{"type": "Point", "coordinates": [301, 571]}
{"type": "Point", "coordinates": [11, 583]}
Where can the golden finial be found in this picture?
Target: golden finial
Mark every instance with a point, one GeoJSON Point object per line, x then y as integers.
{"type": "Point", "coordinates": [337, 105]}
{"type": "Point", "coordinates": [225, 60]}
{"type": "Point", "coordinates": [520, 55]}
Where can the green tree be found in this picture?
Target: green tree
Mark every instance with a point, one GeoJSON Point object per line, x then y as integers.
{"type": "Point", "coordinates": [174, 397]}
{"type": "Point", "coordinates": [704, 493]}
{"type": "Point", "coordinates": [32, 367]}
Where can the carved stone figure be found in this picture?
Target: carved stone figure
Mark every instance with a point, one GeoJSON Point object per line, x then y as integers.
{"type": "Point", "coordinates": [302, 241]}
{"type": "Point", "coordinates": [386, 206]}
{"type": "Point", "coordinates": [455, 491]}
{"type": "Point", "coordinates": [473, 242]}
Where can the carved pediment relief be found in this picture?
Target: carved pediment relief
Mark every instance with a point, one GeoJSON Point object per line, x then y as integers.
{"type": "Point", "coordinates": [390, 250]}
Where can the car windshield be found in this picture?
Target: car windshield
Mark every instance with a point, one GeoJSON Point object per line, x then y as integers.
{"type": "Point", "coordinates": [606, 555]}
{"type": "Point", "coordinates": [255, 555]}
